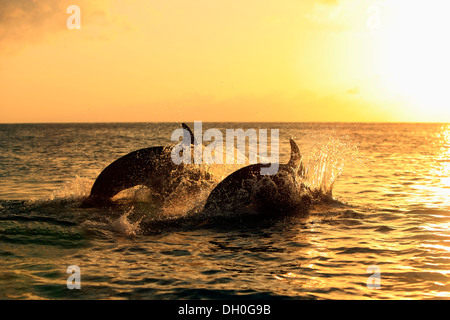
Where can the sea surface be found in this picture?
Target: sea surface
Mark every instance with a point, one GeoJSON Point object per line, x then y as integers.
{"type": "Point", "coordinates": [384, 235]}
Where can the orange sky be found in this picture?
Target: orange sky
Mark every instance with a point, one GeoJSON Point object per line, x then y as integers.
{"type": "Point", "coordinates": [216, 60]}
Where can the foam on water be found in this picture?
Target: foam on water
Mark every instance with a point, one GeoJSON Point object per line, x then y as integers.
{"type": "Point", "coordinates": [76, 189]}
{"type": "Point", "coordinates": [124, 226]}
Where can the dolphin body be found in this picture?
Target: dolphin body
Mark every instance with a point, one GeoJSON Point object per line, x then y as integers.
{"type": "Point", "coordinates": [246, 191]}
{"type": "Point", "coordinates": [151, 167]}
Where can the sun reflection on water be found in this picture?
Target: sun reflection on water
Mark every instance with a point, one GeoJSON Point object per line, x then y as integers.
{"type": "Point", "coordinates": [433, 185]}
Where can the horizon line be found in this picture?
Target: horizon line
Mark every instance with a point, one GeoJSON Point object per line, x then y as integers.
{"type": "Point", "coordinates": [130, 122]}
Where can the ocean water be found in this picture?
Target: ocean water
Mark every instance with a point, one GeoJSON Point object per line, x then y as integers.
{"type": "Point", "coordinates": [390, 213]}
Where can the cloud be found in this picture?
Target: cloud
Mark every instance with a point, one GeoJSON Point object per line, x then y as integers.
{"type": "Point", "coordinates": [24, 22]}
{"type": "Point", "coordinates": [20, 18]}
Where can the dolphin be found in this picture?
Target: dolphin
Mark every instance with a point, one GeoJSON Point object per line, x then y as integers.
{"type": "Point", "coordinates": [151, 167]}
{"type": "Point", "coordinates": [247, 191]}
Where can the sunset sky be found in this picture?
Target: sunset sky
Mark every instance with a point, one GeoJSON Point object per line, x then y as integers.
{"type": "Point", "coordinates": [217, 60]}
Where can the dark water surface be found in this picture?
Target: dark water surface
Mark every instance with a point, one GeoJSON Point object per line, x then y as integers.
{"type": "Point", "coordinates": [391, 183]}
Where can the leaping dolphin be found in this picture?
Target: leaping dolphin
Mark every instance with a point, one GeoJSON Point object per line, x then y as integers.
{"type": "Point", "coordinates": [247, 191]}
{"type": "Point", "coordinates": [151, 167]}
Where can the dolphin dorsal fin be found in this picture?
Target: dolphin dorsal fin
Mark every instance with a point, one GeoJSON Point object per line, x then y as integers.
{"type": "Point", "coordinates": [296, 158]}
{"type": "Point", "coordinates": [185, 127]}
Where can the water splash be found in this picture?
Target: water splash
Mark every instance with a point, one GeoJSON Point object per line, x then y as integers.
{"type": "Point", "coordinates": [134, 194]}
{"type": "Point", "coordinates": [325, 162]}
{"type": "Point", "coordinates": [74, 190]}
{"type": "Point", "coordinates": [123, 226]}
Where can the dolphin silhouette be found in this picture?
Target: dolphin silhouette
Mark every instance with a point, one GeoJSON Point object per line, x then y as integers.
{"type": "Point", "coordinates": [247, 191]}
{"type": "Point", "coordinates": [151, 167]}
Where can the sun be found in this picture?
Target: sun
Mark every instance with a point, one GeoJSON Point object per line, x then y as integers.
{"type": "Point", "coordinates": [414, 56]}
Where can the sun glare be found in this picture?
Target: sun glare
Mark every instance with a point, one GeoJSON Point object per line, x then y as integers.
{"type": "Point", "coordinates": [414, 57]}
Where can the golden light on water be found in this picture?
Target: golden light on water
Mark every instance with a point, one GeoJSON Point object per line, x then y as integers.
{"type": "Point", "coordinates": [437, 187]}
{"type": "Point", "coordinates": [443, 169]}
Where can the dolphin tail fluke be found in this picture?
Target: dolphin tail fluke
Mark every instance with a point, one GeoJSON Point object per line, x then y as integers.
{"type": "Point", "coordinates": [295, 161]}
